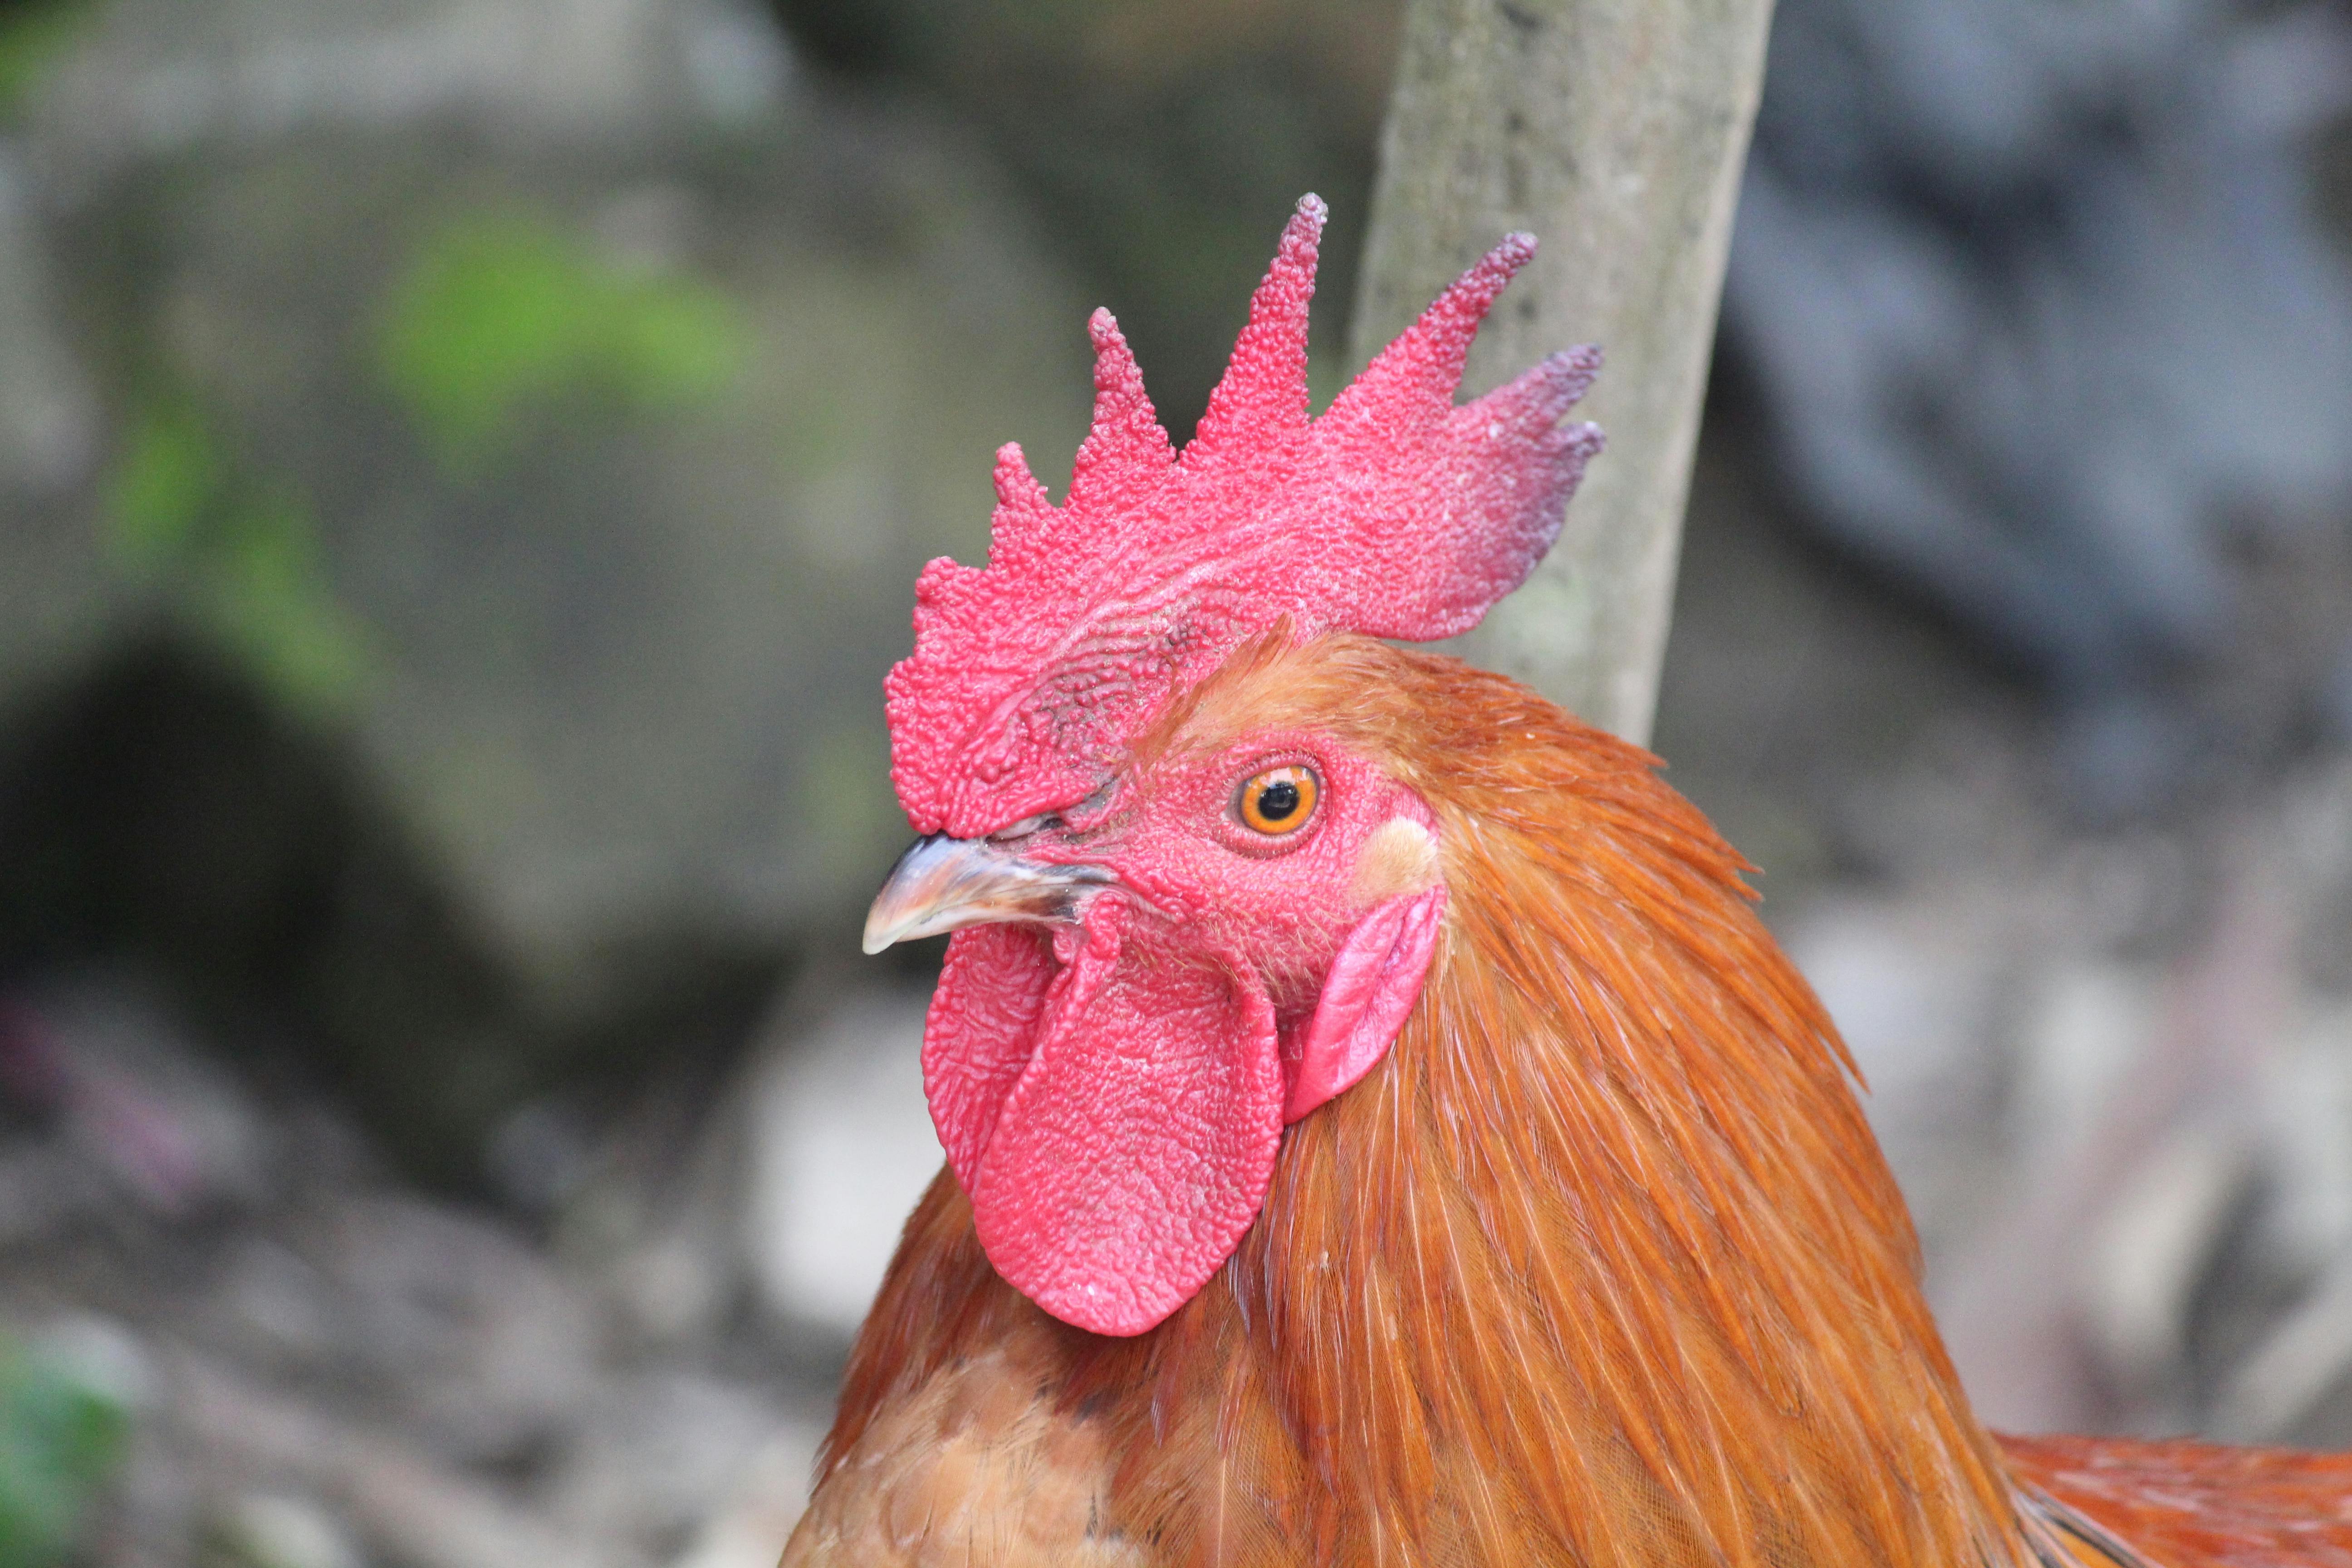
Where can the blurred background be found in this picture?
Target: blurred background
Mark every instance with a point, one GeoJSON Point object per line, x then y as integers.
{"type": "Point", "coordinates": [463, 466]}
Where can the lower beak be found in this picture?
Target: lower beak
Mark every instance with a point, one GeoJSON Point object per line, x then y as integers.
{"type": "Point", "coordinates": [942, 883]}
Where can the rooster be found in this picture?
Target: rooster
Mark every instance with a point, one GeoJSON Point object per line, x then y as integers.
{"type": "Point", "coordinates": [1379, 1129]}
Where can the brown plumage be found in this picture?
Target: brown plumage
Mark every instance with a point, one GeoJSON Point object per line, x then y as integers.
{"type": "Point", "coordinates": [1602, 1266]}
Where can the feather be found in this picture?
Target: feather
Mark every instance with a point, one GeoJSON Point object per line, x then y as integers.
{"type": "Point", "coordinates": [2190, 1505]}
{"type": "Point", "coordinates": [1599, 1266]}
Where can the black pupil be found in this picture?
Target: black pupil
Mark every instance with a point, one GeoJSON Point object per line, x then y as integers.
{"type": "Point", "coordinates": [1277, 800]}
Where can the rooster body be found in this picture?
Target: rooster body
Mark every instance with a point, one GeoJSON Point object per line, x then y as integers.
{"type": "Point", "coordinates": [1380, 1128]}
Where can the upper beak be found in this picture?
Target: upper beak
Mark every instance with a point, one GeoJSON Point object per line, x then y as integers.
{"type": "Point", "coordinates": [942, 883]}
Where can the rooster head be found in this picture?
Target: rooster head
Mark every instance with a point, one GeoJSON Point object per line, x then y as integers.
{"type": "Point", "coordinates": [1177, 930]}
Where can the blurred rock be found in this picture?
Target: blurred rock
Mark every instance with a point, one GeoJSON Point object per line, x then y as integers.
{"type": "Point", "coordinates": [2305, 1138]}
{"type": "Point", "coordinates": [161, 812]}
{"type": "Point", "coordinates": [2037, 303]}
{"type": "Point", "coordinates": [750, 1529]}
{"type": "Point", "coordinates": [2113, 1075]}
{"type": "Point", "coordinates": [785, 1190]}
{"type": "Point", "coordinates": [663, 1455]}
{"type": "Point", "coordinates": [162, 79]}
{"type": "Point", "coordinates": [58, 604]}
{"type": "Point", "coordinates": [470, 1332]}
{"type": "Point", "coordinates": [1916, 1000]}
{"type": "Point", "coordinates": [2149, 1252]}
{"type": "Point", "coordinates": [45, 1190]}
{"type": "Point", "coordinates": [610, 621]}
{"type": "Point", "coordinates": [2084, 1033]}
{"type": "Point", "coordinates": [768, 1503]}
{"type": "Point", "coordinates": [133, 1095]}
{"type": "Point", "coordinates": [636, 679]}
{"type": "Point", "coordinates": [841, 1148]}
{"type": "Point", "coordinates": [2297, 1386]}
{"type": "Point", "coordinates": [549, 404]}
{"type": "Point", "coordinates": [404, 1505]}
{"type": "Point", "coordinates": [1165, 142]}
{"type": "Point", "coordinates": [49, 418]}
{"type": "Point", "coordinates": [265, 1529]}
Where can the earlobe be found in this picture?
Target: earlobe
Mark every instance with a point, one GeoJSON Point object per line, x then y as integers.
{"type": "Point", "coordinates": [1368, 994]}
{"type": "Point", "coordinates": [1400, 857]}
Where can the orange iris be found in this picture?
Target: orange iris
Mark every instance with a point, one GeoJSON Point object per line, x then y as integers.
{"type": "Point", "coordinates": [1278, 801]}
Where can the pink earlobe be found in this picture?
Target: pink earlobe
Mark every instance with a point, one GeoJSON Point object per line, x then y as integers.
{"type": "Point", "coordinates": [1367, 996]}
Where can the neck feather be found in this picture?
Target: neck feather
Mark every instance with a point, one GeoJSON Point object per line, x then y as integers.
{"type": "Point", "coordinates": [1602, 1267]}
{"type": "Point", "coordinates": [1606, 1265]}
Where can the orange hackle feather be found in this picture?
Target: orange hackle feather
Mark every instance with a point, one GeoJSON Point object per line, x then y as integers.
{"type": "Point", "coordinates": [1602, 1266]}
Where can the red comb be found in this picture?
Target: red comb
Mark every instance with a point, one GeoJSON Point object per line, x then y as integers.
{"type": "Point", "coordinates": [1395, 514]}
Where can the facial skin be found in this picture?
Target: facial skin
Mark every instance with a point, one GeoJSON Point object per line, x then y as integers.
{"type": "Point", "coordinates": [1148, 983]}
{"type": "Point", "coordinates": [1270, 905]}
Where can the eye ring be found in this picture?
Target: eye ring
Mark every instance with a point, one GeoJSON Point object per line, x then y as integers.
{"type": "Point", "coordinates": [1278, 802]}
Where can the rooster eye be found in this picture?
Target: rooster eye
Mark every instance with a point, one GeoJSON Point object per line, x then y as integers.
{"type": "Point", "coordinates": [1278, 801]}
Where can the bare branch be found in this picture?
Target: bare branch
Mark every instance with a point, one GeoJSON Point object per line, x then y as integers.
{"type": "Point", "coordinates": [1614, 129]}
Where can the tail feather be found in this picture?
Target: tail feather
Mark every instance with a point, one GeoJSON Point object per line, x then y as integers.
{"type": "Point", "coordinates": [2115, 1503]}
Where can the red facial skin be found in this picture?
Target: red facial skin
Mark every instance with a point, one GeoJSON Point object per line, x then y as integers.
{"type": "Point", "coordinates": [1111, 1092]}
{"type": "Point", "coordinates": [1271, 907]}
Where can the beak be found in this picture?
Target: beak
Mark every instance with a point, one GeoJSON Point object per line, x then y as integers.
{"type": "Point", "coordinates": [942, 883]}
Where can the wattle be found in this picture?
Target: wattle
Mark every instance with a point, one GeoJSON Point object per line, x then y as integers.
{"type": "Point", "coordinates": [1114, 1118]}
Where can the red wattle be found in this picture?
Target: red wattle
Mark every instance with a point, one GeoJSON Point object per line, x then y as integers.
{"type": "Point", "coordinates": [1114, 1120]}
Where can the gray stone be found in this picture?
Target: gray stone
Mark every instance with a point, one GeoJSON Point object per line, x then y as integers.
{"type": "Point", "coordinates": [49, 422]}
{"type": "Point", "coordinates": [604, 615]}
{"type": "Point", "coordinates": [2040, 311]}
{"type": "Point", "coordinates": [841, 1146]}
{"type": "Point", "coordinates": [162, 78]}
{"type": "Point", "coordinates": [666, 1452]}
{"type": "Point", "coordinates": [277, 1530]}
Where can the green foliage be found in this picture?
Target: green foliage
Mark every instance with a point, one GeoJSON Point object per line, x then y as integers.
{"type": "Point", "coordinates": [503, 316]}
{"type": "Point", "coordinates": [32, 38]}
{"type": "Point", "coordinates": [169, 476]}
{"type": "Point", "coordinates": [241, 555]}
{"type": "Point", "coordinates": [61, 1437]}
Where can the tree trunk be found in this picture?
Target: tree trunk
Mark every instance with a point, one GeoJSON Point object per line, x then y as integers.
{"type": "Point", "coordinates": [1615, 130]}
